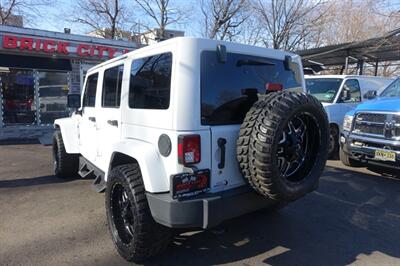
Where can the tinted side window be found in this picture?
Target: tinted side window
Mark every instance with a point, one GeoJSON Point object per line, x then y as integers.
{"type": "Point", "coordinates": [150, 82]}
{"type": "Point", "coordinates": [393, 90]}
{"type": "Point", "coordinates": [89, 98]}
{"type": "Point", "coordinates": [351, 92]}
{"type": "Point", "coordinates": [112, 86]}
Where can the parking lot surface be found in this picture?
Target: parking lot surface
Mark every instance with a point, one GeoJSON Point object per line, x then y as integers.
{"type": "Point", "coordinates": [354, 217]}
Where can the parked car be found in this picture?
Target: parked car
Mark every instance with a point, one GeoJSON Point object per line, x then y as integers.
{"type": "Point", "coordinates": [371, 132]}
{"type": "Point", "coordinates": [190, 132]}
{"type": "Point", "coordinates": [340, 94]}
{"type": "Point", "coordinates": [53, 103]}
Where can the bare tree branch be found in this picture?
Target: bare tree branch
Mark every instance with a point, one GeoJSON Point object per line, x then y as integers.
{"type": "Point", "coordinates": [162, 14]}
{"type": "Point", "coordinates": [222, 19]}
{"type": "Point", "coordinates": [288, 23]}
{"type": "Point", "coordinates": [28, 9]}
{"type": "Point", "coordinates": [106, 17]}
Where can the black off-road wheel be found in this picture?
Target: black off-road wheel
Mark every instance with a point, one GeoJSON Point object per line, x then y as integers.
{"type": "Point", "coordinates": [282, 145]}
{"type": "Point", "coordinates": [346, 160]}
{"type": "Point", "coordinates": [134, 232]}
{"type": "Point", "coordinates": [65, 165]}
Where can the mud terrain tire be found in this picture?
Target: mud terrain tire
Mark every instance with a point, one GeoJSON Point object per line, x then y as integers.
{"type": "Point", "coordinates": [134, 232]}
{"type": "Point", "coordinates": [65, 165]}
{"type": "Point", "coordinates": [282, 145]}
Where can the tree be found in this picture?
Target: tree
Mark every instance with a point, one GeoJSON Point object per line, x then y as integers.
{"type": "Point", "coordinates": [28, 9]}
{"type": "Point", "coordinates": [222, 19]}
{"type": "Point", "coordinates": [288, 23]}
{"type": "Point", "coordinates": [353, 21]}
{"type": "Point", "coordinates": [250, 32]}
{"type": "Point", "coordinates": [162, 14]}
{"type": "Point", "coordinates": [350, 21]}
{"type": "Point", "coordinates": [105, 17]}
{"type": "Point", "coordinates": [6, 10]}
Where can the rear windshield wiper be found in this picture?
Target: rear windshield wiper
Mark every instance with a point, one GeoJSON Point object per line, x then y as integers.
{"type": "Point", "coordinates": [254, 62]}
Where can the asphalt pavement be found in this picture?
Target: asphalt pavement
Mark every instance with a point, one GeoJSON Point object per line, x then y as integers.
{"type": "Point", "coordinates": [353, 217]}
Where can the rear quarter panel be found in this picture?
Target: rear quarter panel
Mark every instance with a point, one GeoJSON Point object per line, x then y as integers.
{"type": "Point", "coordinates": [141, 143]}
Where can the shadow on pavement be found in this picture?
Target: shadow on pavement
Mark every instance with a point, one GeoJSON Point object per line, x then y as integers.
{"type": "Point", "coordinates": [19, 141]}
{"type": "Point", "coordinates": [35, 181]}
{"type": "Point", "coordinates": [350, 215]}
{"type": "Point", "coordinates": [386, 172]}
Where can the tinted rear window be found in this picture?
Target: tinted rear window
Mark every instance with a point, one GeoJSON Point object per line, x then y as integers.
{"type": "Point", "coordinates": [150, 83]}
{"type": "Point", "coordinates": [228, 90]}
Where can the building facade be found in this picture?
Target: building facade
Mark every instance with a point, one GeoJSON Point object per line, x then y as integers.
{"type": "Point", "coordinates": [155, 36]}
{"type": "Point", "coordinates": [37, 71]}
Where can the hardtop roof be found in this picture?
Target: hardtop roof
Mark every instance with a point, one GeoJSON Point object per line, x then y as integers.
{"type": "Point", "coordinates": [195, 40]}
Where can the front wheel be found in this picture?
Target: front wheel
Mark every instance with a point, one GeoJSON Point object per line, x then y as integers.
{"type": "Point", "coordinates": [65, 165]}
{"type": "Point", "coordinates": [134, 232]}
{"type": "Point", "coordinates": [333, 148]}
{"type": "Point", "coordinates": [346, 160]}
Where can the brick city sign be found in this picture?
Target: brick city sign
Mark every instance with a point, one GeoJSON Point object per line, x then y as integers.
{"type": "Point", "coordinates": [58, 47]}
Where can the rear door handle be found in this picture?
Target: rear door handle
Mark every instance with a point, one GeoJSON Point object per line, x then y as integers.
{"type": "Point", "coordinates": [113, 122]}
{"type": "Point", "coordinates": [221, 144]}
{"type": "Point", "coordinates": [92, 118]}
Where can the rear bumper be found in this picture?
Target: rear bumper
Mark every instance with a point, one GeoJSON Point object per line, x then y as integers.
{"type": "Point", "coordinates": [365, 154]}
{"type": "Point", "coordinates": [206, 211]}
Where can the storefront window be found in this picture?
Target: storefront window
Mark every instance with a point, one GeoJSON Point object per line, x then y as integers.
{"type": "Point", "coordinates": [33, 97]}
{"type": "Point", "coordinates": [18, 94]}
{"type": "Point", "coordinates": [52, 91]}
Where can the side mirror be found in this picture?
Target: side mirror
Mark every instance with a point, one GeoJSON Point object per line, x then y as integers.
{"type": "Point", "coordinates": [371, 94]}
{"type": "Point", "coordinates": [74, 101]}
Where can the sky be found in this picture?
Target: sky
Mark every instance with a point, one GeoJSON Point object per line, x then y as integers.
{"type": "Point", "coordinates": [56, 17]}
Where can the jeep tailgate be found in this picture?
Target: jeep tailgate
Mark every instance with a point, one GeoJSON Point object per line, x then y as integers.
{"type": "Point", "coordinates": [225, 172]}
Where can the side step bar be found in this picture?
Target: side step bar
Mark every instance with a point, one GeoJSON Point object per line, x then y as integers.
{"type": "Point", "coordinates": [88, 170]}
{"type": "Point", "coordinates": [84, 171]}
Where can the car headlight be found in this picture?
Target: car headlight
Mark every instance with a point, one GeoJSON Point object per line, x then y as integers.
{"type": "Point", "coordinates": [347, 122]}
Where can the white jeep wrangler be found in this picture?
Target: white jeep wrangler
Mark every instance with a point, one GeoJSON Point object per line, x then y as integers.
{"type": "Point", "coordinates": [190, 132]}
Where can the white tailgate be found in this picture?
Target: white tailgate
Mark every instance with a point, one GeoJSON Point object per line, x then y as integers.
{"type": "Point", "coordinates": [229, 176]}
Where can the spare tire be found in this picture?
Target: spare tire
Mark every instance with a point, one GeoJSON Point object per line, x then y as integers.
{"type": "Point", "coordinates": [282, 145]}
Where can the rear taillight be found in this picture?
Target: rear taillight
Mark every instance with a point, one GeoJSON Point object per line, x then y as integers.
{"type": "Point", "coordinates": [274, 87]}
{"type": "Point", "coordinates": [189, 149]}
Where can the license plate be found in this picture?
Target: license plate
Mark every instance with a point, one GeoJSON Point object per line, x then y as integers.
{"type": "Point", "coordinates": [186, 185]}
{"type": "Point", "coordinates": [385, 155]}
